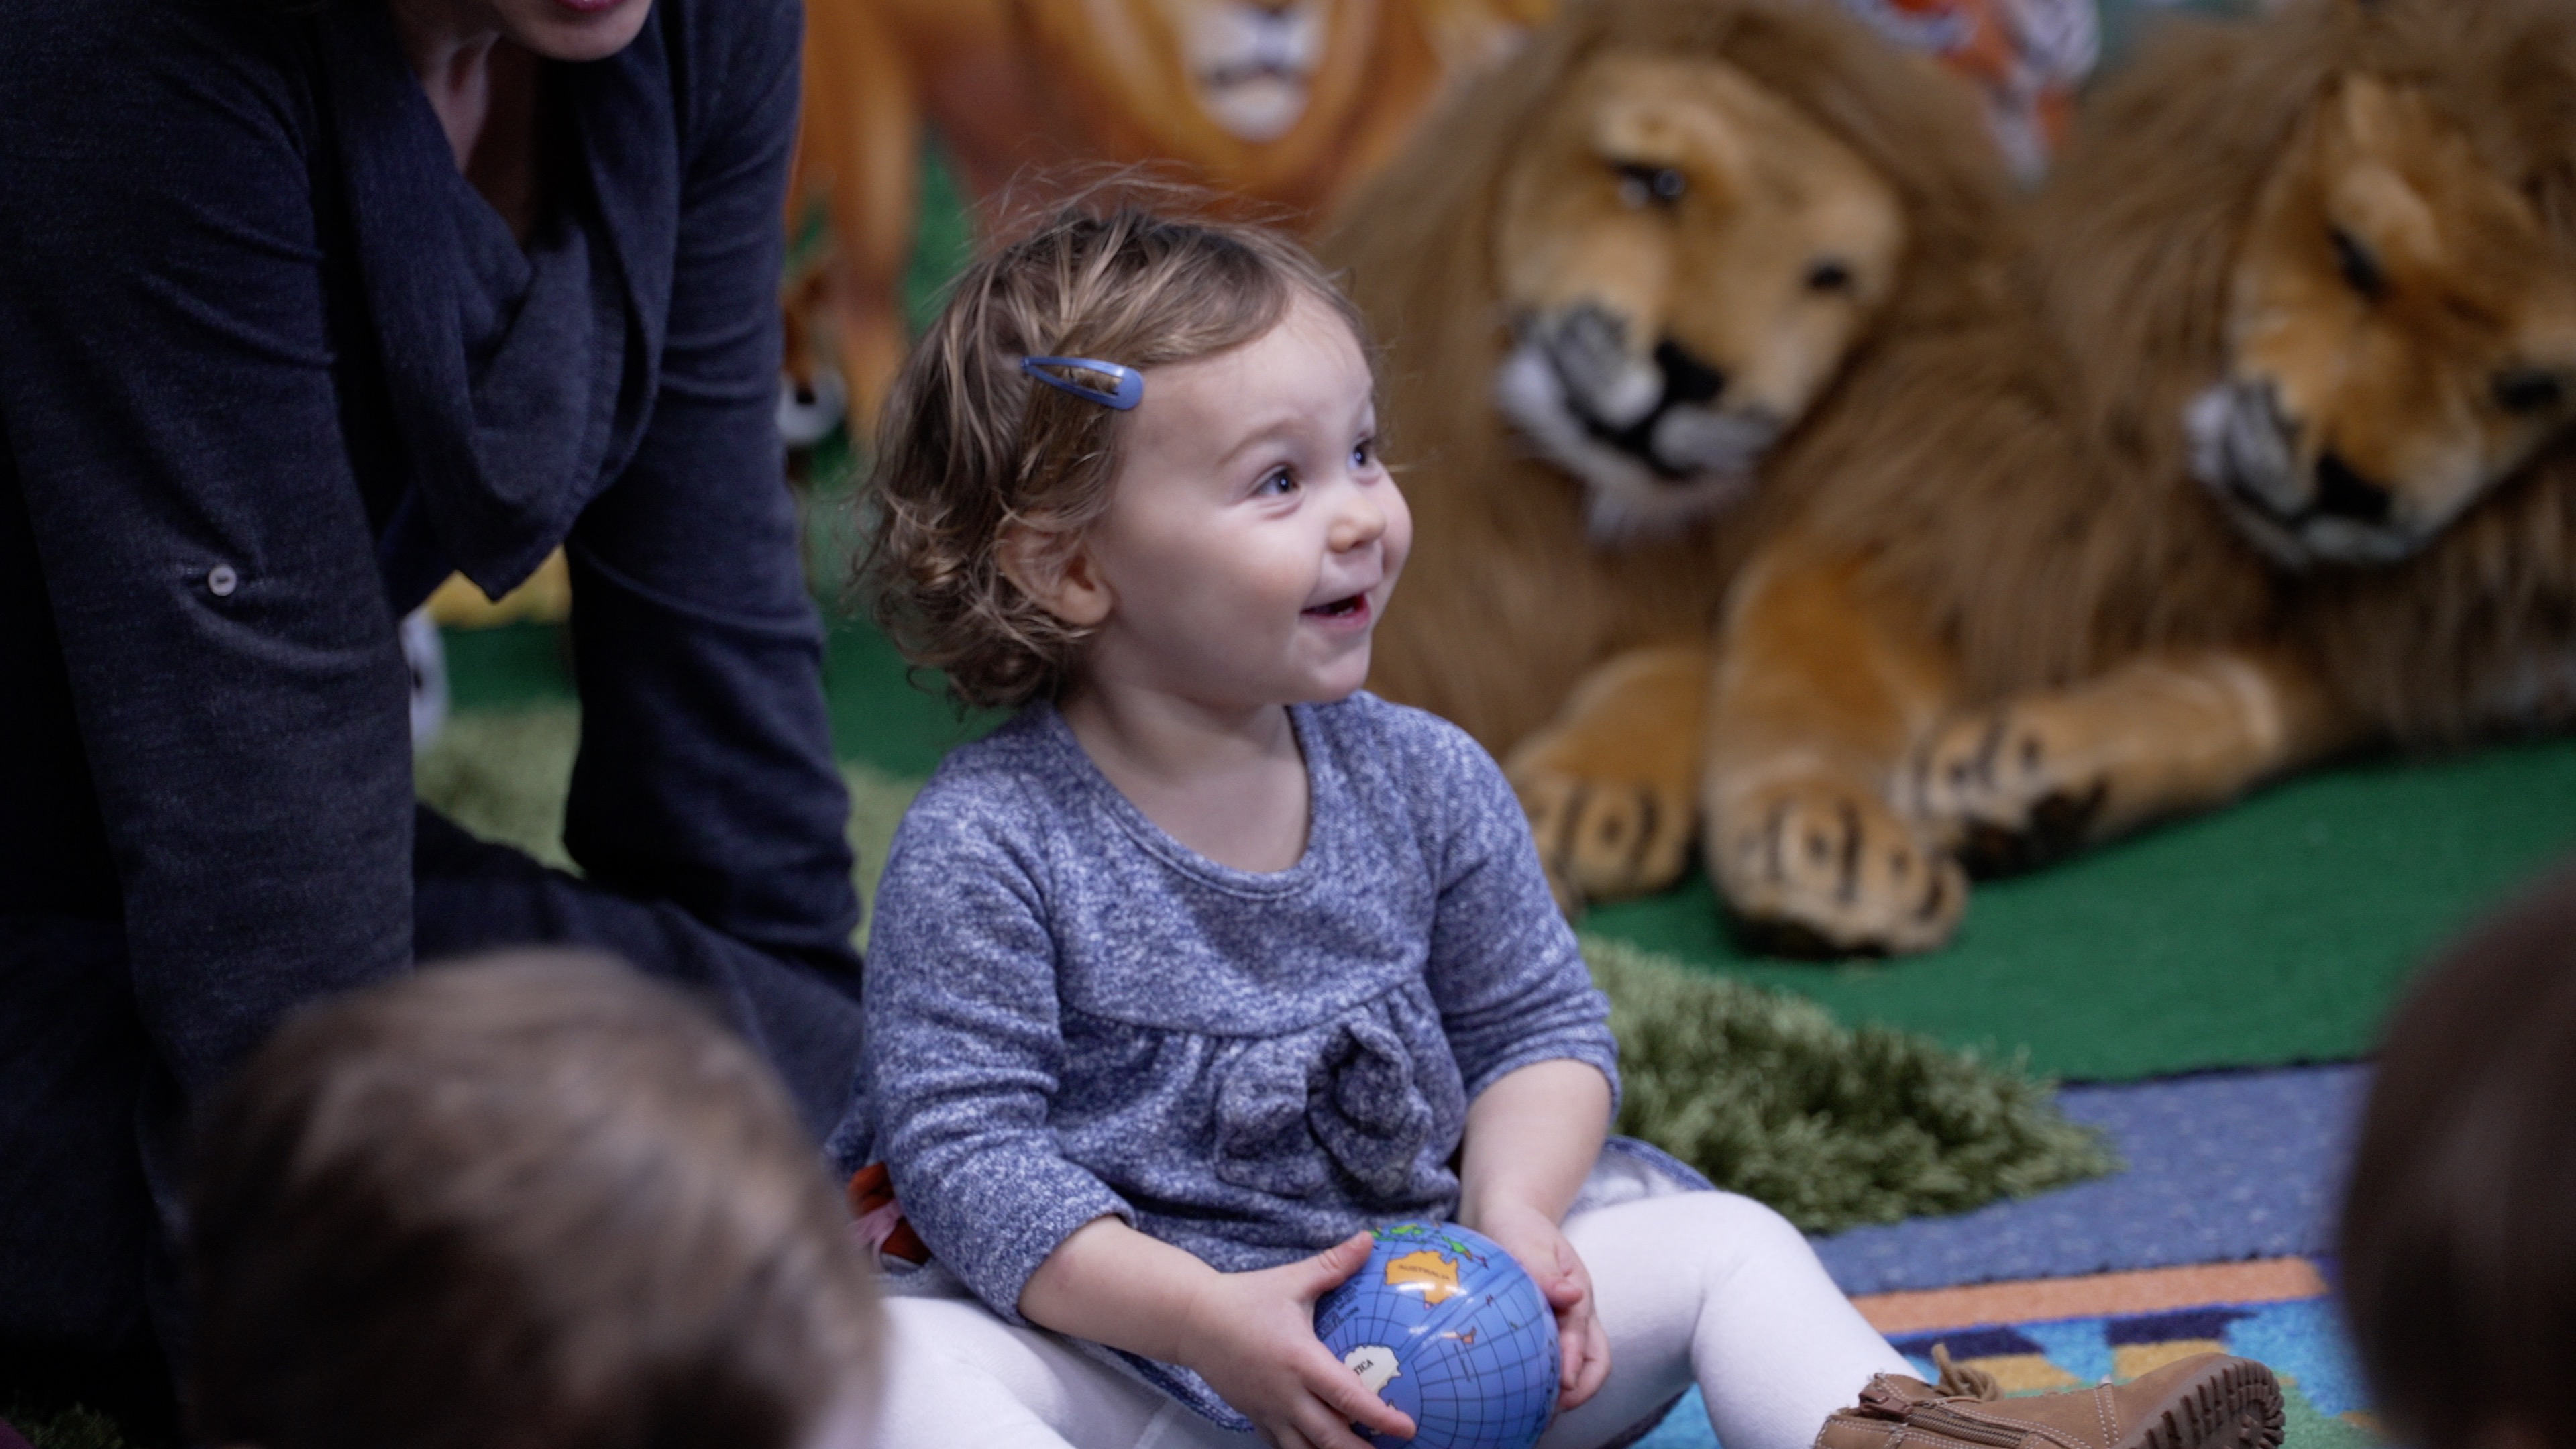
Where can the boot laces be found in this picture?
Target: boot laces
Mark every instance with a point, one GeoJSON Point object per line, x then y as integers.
{"type": "Point", "coordinates": [1964, 1380]}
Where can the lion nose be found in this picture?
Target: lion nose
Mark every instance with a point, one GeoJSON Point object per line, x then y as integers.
{"type": "Point", "coordinates": [2343, 493]}
{"type": "Point", "coordinates": [1686, 378]}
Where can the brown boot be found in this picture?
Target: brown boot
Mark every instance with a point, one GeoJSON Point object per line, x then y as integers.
{"type": "Point", "coordinates": [2207, 1401]}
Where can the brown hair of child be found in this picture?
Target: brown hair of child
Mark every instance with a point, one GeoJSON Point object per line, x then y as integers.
{"type": "Point", "coordinates": [533, 1200]}
{"type": "Point", "coordinates": [2459, 1228]}
{"type": "Point", "coordinates": [970, 447]}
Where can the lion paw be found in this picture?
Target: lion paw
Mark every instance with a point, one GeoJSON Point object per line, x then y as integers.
{"type": "Point", "coordinates": [2010, 789]}
{"type": "Point", "coordinates": [1820, 867]}
{"type": "Point", "coordinates": [1603, 838]}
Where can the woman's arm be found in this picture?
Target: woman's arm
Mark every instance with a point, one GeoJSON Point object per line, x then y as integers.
{"type": "Point", "coordinates": [173, 427]}
{"type": "Point", "coordinates": [706, 774]}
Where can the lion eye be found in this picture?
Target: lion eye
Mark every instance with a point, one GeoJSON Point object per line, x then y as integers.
{"type": "Point", "coordinates": [1641, 185]}
{"type": "Point", "coordinates": [2361, 269]}
{"type": "Point", "coordinates": [1829, 275]}
{"type": "Point", "coordinates": [2527, 390]}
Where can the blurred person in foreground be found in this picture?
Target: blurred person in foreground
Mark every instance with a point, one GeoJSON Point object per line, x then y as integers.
{"type": "Point", "coordinates": [528, 1202]}
{"type": "Point", "coordinates": [2459, 1228]}
{"type": "Point", "coordinates": [304, 306]}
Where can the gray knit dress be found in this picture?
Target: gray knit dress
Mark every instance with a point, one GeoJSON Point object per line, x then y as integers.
{"type": "Point", "coordinates": [1070, 1014]}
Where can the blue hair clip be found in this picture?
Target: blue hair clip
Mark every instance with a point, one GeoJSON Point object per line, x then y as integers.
{"type": "Point", "coordinates": [1131, 383]}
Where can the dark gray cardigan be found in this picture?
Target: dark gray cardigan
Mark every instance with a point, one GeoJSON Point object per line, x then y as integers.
{"type": "Point", "coordinates": [265, 377]}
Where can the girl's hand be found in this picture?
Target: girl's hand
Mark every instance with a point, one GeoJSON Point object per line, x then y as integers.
{"type": "Point", "coordinates": [1533, 1237]}
{"type": "Point", "coordinates": [1253, 1339]}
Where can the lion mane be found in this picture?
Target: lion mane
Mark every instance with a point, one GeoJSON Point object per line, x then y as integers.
{"type": "Point", "coordinates": [1508, 602]}
{"type": "Point", "coordinates": [2025, 484]}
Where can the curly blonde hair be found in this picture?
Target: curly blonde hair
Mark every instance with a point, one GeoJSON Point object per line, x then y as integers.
{"type": "Point", "coordinates": [970, 446]}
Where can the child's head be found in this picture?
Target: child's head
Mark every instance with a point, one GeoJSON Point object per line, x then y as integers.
{"type": "Point", "coordinates": [2459, 1229]}
{"type": "Point", "coordinates": [1234, 527]}
{"type": "Point", "coordinates": [533, 1202]}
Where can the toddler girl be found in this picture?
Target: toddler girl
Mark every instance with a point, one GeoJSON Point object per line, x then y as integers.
{"type": "Point", "coordinates": [1207, 961]}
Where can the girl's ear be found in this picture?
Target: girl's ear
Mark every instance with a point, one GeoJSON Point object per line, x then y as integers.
{"type": "Point", "coordinates": [1060, 575]}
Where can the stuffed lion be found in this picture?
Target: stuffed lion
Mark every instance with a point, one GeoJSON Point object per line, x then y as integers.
{"type": "Point", "coordinates": [1617, 281]}
{"type": "Point", "coordinates": [1285, 103]}
{"type": "Point", "coordinates": [2277, 464]}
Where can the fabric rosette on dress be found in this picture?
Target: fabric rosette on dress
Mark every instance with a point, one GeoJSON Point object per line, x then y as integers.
{"type": "Point", "coordinates": [1360, 1087]}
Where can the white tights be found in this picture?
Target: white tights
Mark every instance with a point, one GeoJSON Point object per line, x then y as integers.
{"type": "Point", "coordinates": [1702, 1287]}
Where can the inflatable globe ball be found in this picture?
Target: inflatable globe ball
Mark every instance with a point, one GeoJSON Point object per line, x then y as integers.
{"type": "Point", "coordinates": [1446, 1327]}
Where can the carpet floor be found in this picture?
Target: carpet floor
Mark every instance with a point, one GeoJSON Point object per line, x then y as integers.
{"type": "Point", "coordinates": [2297, 1333]}
{"type": "Point", "coordinates": [2222, 1167]}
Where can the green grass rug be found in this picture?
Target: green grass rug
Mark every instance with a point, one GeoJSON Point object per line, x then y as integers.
{"type": "Point", "coordinates": [2275, 932]}
{"type": "Point", "coordinates": [1761, 1090]}
{"type": "Point", "coordinates": [504, 774]}
{"type": "Point", "coordinates": [1771, 1097]}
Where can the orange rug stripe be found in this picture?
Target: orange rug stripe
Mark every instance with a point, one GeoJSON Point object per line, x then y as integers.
{"type": "Point", "coordinates": [2152, 1290]}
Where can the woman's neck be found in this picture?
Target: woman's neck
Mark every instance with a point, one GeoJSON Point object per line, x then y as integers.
{"type": "Point", "coordinates": [484, 91]}
{"type": "Point", "coordinates": [1230, 784]}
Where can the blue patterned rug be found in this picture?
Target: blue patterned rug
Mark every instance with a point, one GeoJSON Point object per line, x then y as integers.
{"type": "Point", "coordinates": [2223, 1167]}
{"type": "Point", "coordinates": [2302, 1340]}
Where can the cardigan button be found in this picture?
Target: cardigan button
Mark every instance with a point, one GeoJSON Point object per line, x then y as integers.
{"type": "Point", "coordinates": [221, 581]}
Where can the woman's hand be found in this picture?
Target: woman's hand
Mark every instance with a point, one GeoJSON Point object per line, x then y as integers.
{"type": "Point", "coordinates": [1532, 1237]}
{"type": "Point", "coordinates": [1252, 1337]}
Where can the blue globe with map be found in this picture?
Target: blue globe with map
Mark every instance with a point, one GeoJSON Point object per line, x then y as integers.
{"type": "Point", "coordinates": [1445, 1326]}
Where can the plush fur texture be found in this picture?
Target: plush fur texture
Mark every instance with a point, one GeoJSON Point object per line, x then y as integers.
{"type": "Point", "coordinates": [2274, 462]}
{"type": "Point", "coordinates": [1283, 103]}
{"type": "Point", "coordinates": [2144, 231]}
{"type": "Point", "coordinates": [1761, 189]}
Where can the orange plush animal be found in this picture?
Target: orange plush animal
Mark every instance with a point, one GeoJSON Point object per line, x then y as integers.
{"type": "Point", "coordinates": [1284, 103]}
{"type": "Point", "coordinates": [2277, 463]}
{"type": "Point", "coordinates": [1618, 282]}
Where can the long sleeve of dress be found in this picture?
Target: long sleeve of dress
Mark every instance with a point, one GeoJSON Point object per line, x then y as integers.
{"type": "Point", "coordinates": [167, 401]}
{"type": "Point", "coordinates": [965, 1052]}
{"type": "Point", "coordinates": [706, 774]}
{"type": "Point", "coordinates": [1504, 966]}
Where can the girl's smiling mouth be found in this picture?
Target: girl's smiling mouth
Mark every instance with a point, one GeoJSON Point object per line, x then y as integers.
{"type": "Point", "coordinates": [1350, 612]}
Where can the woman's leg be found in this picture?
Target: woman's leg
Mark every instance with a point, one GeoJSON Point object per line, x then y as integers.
{"type": "Point", "coordinates": [1716, 1289]}
{"type": "Point", "coordinates": [957, 1375]}
{"type": "Point", "coordinates": [471, 895]}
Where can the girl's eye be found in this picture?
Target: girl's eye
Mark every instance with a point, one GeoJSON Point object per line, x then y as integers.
{"type": "Point", "coordinates": [1363, 453]}
{"type": "Point", "coordinates": [1276, 484]}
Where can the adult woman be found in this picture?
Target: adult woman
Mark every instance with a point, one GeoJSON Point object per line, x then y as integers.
{"type": "Point", "coordinates": [301, 306]}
